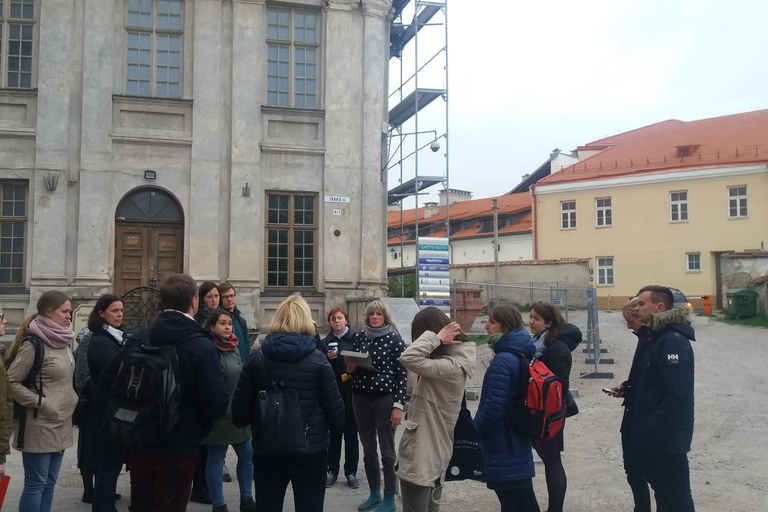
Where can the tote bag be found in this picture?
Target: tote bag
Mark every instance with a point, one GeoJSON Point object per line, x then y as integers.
{"type": "Point", "coordinates": [467, 461]}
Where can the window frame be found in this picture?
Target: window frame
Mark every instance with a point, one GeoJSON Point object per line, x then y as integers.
{"type": "Point", "coordinates": [607, 212]}
{"type": "Point", "coordinates": [605, 268]}
{"type": "Point", "coordinates": [291, 228]}
{"type": "Point", "coordinates": [153, 32]}
{"type": "Point", "coordinates": [5, 23]}
{"type": "Point", "coordinates": [679, 203]}
{"type": "Point", "coordinates": [292, 45]}
{"type": "Point", "coordinates": [738, 199]}
{"type": "Point", "coordinates": [10, 286]}
{"type": "Point", "coordinates": [571, 220]}
{"type": "Point", "coordinates": [688, 261]}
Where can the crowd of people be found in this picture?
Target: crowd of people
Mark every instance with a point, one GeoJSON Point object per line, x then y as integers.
{"type": "Point", "coordinates": [347, 389]}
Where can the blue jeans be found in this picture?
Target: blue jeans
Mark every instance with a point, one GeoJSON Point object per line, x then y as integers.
{"type": "Point", "coordinates": [215, 467]}
{"type": "Point", "coordinates": [40, 473]}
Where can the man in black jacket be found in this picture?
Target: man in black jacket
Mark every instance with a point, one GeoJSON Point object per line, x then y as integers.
{"type": "Point", "coordinates": [161, 476]}
{"type": "Point", "coordinates": [658, 417]}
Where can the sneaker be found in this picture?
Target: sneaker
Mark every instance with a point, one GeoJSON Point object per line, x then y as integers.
{"type": "Point", "coordinates": [330, 479]}
{"type": "Point", "coordinates": [201, 496]}
{"type": "Point", "coordinates": [353, 481]}
{"type": "Point", "coordinates": [226, 476]}
{"type": "Point", "coordinates": [220, 508]}
{"type": "Point", "coordinates": [247, 505]}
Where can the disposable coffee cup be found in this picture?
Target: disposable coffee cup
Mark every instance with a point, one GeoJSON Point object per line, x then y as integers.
{"type": "Point", "coordinates": [334, 345]}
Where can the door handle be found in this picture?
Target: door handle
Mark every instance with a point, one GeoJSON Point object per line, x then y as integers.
{"type": "Point", "coordinates": [153, 282]}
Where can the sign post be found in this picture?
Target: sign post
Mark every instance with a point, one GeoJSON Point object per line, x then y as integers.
{"type": "Point", "coordinates": [434, 266]}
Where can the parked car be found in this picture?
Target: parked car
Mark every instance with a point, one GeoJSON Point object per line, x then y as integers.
{"type": "Point", "coordinates": [679, 298]}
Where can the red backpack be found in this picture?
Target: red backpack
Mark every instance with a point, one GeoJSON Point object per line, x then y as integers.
{"type": "Point", "coordinates": [538, 411]}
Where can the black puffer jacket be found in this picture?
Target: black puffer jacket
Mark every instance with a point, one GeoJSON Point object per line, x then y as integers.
{"type": "Point", "coordinates": [295, 360]}
{"type": "Point", "coordinates": [557, 356]}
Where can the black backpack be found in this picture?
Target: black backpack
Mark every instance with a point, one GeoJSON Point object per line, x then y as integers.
{"type": "Point", "coordinates": [19, 411]}
{"type": "Point", "coordinates": [144, 403]}
{"type": "Point", "coordinates": [278, 425]}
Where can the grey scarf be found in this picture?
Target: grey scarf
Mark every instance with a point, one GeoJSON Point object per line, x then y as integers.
{"type": "Point", "coordinates": [376, 332]}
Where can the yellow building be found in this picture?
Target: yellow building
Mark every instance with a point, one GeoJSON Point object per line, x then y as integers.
{"type": "Point", "coordinates": [657, 205]}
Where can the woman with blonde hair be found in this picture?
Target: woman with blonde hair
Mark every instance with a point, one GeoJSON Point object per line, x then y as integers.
{"type": "Point", "coordinates": [378, 398]}
{"type": "Point", "coordinates": [44, 430]}
{"type": "Point", "coordinates": [631, 316]}
{"type": "Point", "coordinates": [289, 356]}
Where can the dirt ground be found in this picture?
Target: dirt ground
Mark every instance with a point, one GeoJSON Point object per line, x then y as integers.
{"type": "Point", "coordinates": [729, 456]}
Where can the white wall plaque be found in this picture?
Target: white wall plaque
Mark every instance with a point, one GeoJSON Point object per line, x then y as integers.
{"type": "Point", "coordinates": [336, 199]}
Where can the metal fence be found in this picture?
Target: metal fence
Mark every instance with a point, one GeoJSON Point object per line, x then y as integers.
{"type": "Point", "coordinates": [578, 305]}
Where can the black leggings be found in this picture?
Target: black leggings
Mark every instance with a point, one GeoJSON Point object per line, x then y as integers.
{"type": "Point", "coordinates": [518, 500]}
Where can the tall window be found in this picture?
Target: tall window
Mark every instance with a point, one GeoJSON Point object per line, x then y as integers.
{"type": "Point", "coordinates": [292, 56]}
{"type": "Point", "coordinates": [605, 271]}
{"type": "Point", "coordinates": [737, 202]}
{"type": "Point", "coordinates": [678, 206]}
{"type": "Point", "coordinates": [291, 240]}
{"type": "Point", "coordinates": [568, 215]}
{"type": "Point", "coordinates": [153, 44]}
{"type": "Point", "coordinates": [694, 261]}
{"type": "Point", "coordinates": [17, 32]}
{"type": "Point", "coordinates": [603, 212]}
{"type": "Point", "coordinates": [13, 228]}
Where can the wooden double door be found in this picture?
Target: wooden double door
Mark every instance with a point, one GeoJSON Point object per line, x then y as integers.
{"type": "Point", "coordinates": [145, 252]}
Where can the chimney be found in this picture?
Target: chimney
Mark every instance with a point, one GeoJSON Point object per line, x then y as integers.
{"type": "Point", "coordinates": [431, 209]}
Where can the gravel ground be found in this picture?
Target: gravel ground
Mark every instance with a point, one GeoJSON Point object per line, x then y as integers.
{"type": "Point", "coordinates": [728, 459]}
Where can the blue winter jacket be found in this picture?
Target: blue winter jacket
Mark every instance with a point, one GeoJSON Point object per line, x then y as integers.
{"type": "Point", "coordinates": [500, 387]}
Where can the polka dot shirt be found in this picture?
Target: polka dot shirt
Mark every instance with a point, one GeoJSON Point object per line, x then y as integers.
{"type": "Point", "coordinates": [385, 353]}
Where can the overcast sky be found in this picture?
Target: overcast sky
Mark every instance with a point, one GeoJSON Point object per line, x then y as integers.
{"type": "Point", "coordinates": [528, 77]}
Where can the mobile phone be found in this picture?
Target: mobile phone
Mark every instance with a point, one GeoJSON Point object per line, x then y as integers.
{"type": "Point", "coordinates": [609, 391]}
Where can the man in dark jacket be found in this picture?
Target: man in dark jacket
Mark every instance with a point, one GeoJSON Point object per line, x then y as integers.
{"type": "Point", "coordinates": [239, 326]}
{"type": "Point", "coordinates": [658, 417]}
{"type": "Point", "coordinates": [161, 476]}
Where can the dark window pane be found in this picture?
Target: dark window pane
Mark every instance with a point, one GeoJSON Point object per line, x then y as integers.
{"type": "Point", "coordinates": [273, 202]}
{"type": "Point", "coordinates": [283, 202]}
{"type": "Point", "coordinates": [309, 279]}
{"type": "Point", "coordinates": [272, 280]}
{"type": "Point", "coordinates": [5, 260]}
{"type": "Point", "coordinates": [283, 217]}
{"type": "Point", "coordinates": [271, 265]}
{"type": "Point", "coordinates": [7, 193]}
{"type": "Point", "coordinates": [20, 209]}
{"type": "Point", "coordinates": [308, 251]}
{"type": "Point", "coordinates": [5, 244]}
{"type": "Point", "coordinates": [7, 209]}
{"type": "Point", "coordinates": [272, 216]}
{"type": "Point", "coordinates": [283, 251]}
{"type": "Point", "coordinates": [272, 236]}
{"type": "Point", "coordinates": [5, 276]}
{"type": "Point", "coordinates": [309, 217]}
{"type": "Point", "coordinates": [282, 265]}
{"type": "Point", "coordinates": [282, 280]}
{"type": "Point", "coordinates": [18, 229]}
{"type": "Point", "coordinates": [17, 261]}
{"type": "Point", "coordinates": [298, 265]}
{"type": "Point", "coordinates": [297, 279]}
{"type": "Point", "coordinates": [283, 236]}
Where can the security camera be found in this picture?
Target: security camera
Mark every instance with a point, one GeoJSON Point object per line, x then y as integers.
{"type": "Point", "coordinates": [435, 146]}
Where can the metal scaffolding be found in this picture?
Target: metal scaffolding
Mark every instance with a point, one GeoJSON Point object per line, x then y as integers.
{"type": "Point", "coordinates": [411, 123]}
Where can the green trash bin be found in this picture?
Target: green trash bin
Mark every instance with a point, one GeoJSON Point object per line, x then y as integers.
{"type": "Point", "coordinates": [742, 303]}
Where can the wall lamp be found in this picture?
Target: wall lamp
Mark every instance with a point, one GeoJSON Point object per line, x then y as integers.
{"type": "Point", "coordinates": [393, 253]}
{"type": "Point", "coordinates": [149, 174]}
{"type": "Point", "coordinates": [51, 180]}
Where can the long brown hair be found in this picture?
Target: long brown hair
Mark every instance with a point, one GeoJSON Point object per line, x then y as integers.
{"type": "Point", "coordinates": [551, 315]}
{"type": "Point", "coordinates": [431, 319]}
{"type": "Point", "coordinates": [47, 303]}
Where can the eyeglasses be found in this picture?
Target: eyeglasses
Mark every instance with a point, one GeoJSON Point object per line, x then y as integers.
{"type": "Point", "coordinates": [229, 296]}
{"type": "Point", "coordinates": [2, 317]}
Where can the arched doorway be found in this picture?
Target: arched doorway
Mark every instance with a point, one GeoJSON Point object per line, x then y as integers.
{"type": "Point", "coordinates": [149, 239]}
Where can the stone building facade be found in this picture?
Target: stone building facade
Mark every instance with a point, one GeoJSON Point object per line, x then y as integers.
{"type": "Point", "coordinates": [234, 140]}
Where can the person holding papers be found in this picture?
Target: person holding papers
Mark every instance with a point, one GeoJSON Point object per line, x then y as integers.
{"type": "Point", "coordinates": [378, 400]}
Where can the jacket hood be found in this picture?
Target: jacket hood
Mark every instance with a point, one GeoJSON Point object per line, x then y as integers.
{"type": "Point", "coordinates": [173, 326]}
{"type": "Point", "coordinates": [518, 340]}
{"type": "Point", "coordinates": [288, 347]}
{"type": "Point", "coordinates": [571, 335]}
{"type": "Point", "coordinates": [678, 319]}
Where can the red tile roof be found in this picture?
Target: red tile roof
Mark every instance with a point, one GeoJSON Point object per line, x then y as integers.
{"type": "Point", "coordinates": [524, 225]}
{"type": "Point", "coordinates": [737, 139]}
{"type": "Point", "coordinates": [507, 203]}
{"type": "Point", "coordinates": [560, 261]}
